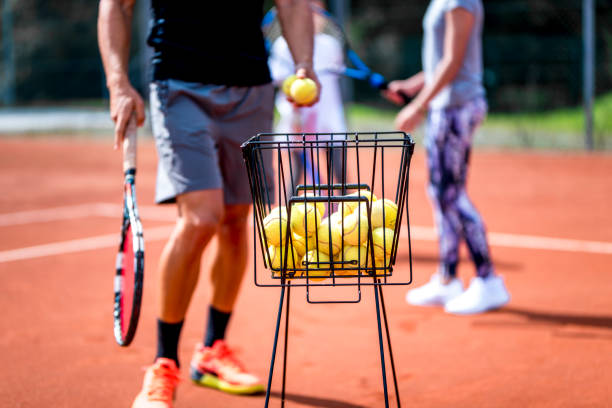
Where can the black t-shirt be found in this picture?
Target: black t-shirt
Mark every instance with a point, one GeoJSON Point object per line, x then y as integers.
{"type": "Point", "coordinates": [212, 42]}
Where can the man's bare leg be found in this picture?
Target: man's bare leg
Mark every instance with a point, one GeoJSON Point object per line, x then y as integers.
{"type": "Point", "coordinates": [214, 364]}
{"type": "Point", "coordinates": [230, 262]}
{"type": "Point", "coordinates": [199, 214]}
{"type": "Point", "coordinates": [227, 271]}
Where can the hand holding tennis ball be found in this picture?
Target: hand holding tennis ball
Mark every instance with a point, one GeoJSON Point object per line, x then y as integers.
{"type": "Point", "coordinates": [304, 90]}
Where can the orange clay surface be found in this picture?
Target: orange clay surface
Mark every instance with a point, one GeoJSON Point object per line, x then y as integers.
{"type": "Point", "coordinates": [550, 347]}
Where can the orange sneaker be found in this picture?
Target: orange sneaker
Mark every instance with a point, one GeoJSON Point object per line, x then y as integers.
{"type": "Point", "coordinates": [217, 367]}
{"type": "Point", "coordinates": [159, 385]}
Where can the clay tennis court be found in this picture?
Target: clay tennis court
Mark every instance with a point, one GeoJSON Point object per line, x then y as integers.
{"type": "Point", "coordinates": [548, 215]}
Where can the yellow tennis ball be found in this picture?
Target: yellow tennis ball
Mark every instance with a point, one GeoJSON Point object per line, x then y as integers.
{"type": "Point", "coordinates": [275, 226]}
{"type": "Point", "coordinates": [355, 228]}
{"type": "Point", "coordinates": [383, 241]}
{"type": "Point", "coordinates": [287, 84]}
{"type": "Point", "coordinates": [305, 219]}
{"type": "Point", "coordinates": [379, 263]}
{"type": "Point", "coordinates": [303, 90]}
{"type": "Point", "coordinates": [277, 258]}
{"type": "Point", "coordinates": [316, 260]}
{"type": "Point", "coordinates": [350, 206]}
{"type": "Point", "coordinates": [336, 218]}
{"type": "Point", "coordinates": [320, 205]}
{"type": "Point", "coordinates": [326, 229]}
{"type": "Point", "coordinates": [356, 256]}
{"type": "Point", "coordinates": [299, 243]}
{"type": "Point", "coordinates": [386, 207]}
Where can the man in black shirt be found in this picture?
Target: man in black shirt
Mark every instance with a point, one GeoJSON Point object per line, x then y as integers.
{"type": "Point", "coordinates": [211, 90]}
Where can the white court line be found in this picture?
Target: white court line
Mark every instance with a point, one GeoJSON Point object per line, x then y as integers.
{"type": "Point", "coordinates": [419, 233]}
{"type": "Point", "coordinates": [148, 212]}
{"type": "Point", "coordinates": [76, 245]}
{"type": "Point", "coordinates": [523, 241]}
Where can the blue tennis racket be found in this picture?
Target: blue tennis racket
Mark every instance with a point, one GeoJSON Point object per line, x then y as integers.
{"type": "Point", "coordinates": [351, 66]}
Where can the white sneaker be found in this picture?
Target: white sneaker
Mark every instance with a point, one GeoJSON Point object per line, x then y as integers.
{"type": "Point", "coordinates": [435, 293]}
{"type": "Point", "coordinates": [482, 295]}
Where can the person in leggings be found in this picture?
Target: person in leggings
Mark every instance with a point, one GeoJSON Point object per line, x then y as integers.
{"type": "Point", "coordinates": [449, 96]}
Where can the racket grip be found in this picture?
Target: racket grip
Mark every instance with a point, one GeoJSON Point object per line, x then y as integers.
{"type": "Point", "coordinates": [406, 99]}
{"type": "Point", "coordinates": [129, 145]}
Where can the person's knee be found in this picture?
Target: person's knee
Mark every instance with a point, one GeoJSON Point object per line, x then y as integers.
{"type": "Point", "coordinates": [234, 223]}
{"type": "Point", "coordinates": [446, 196]}
{"type": "Point", "coordinates": [199, 225]}
{"type": "Point", "coordinates": [200, 213]}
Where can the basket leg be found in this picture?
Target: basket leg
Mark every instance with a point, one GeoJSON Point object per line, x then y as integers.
{"type": "Point", "coordinates": [286, 343]}
{"type": "Point", "coordinates": [382, 302]}
{"type": "Point", "coordinates": [382, 349]}
{"type": "Point", "coordinates": [278, 319]}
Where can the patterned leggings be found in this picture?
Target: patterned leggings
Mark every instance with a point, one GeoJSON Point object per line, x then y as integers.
{"type": "Point", "coordinates": [449, 141]}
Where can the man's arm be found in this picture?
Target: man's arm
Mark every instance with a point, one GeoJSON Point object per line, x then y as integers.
{"type": "Point", "coordinates": [459, 25]}
{"type": "Point", "coordinates": [114, 27]}
{"type": "Point", "coordinates": [295, 17]}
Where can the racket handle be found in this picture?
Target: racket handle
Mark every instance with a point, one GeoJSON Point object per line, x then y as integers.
{"type": "Point", "coordinates": [406, 99]}
{"type": "Point", "coordinates": [129, 145]}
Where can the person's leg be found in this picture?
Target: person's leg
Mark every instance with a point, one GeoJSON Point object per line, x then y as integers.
{"type": "Point", "coordinates": [487, 291]}
{"type": "Point", "coordinates": [246, 111]}
{"type": "Point", "coordinates": [475, 235]}
{"type": "Point", "coordinates": [179, 264]}
{"type": "Point", "coordinates": [442, 190]}
{"type": "Point", "coordinates": [337, 158]}
{"type": "Point", "coordinates": [228, 270]}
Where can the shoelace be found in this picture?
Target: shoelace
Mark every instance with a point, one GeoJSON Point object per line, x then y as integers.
{"type": "Point", "coordinates": [226, 355]}
{"type": "Point", "coordinates": [161, 387]}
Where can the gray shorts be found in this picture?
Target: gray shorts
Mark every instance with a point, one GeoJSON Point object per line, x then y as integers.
{"type": "Point", "coordinates": [198, 131]}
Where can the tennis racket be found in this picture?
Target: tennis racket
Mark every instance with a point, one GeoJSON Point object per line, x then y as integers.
{"type": "Point", "coordinates": [130, 258]}
{"type": "Point", "coordinates": [351, 65]}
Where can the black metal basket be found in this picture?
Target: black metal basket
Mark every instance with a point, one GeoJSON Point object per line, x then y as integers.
{"type": "Point", "coordinates": [316, 174]}
{"type": "Point", "coordinates": [272, 163]}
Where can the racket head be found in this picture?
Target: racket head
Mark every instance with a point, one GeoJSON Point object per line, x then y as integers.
{"type": "Point", "coordinates": [129, 268]}
{"type": "Point", "coordinates": [351, 65]}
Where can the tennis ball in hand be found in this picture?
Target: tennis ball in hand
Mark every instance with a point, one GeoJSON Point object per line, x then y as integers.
{"type": "Point", "coordinates": [355, 228]}
{"type": "Point", "coordinates": [277, 259]}
{"type": "Point", "coordinates": [275, 226]}
{"type": "Point", "coordinates": [303, 91]}
{"type": "Point", "coordinates": [299, 243]}
{"type": "Point", "coordinates": [383, 241]}
{"type": "Point", "coordinates": [305, 219]}
{"type": "Point", "coordinates": [287, 84]}
{"type": "Point", "coordinates": [387, 208]}
{"type": "Point", "coordinates": [312, 258]}
{"type": "Point", "coordinates": [326, 229]}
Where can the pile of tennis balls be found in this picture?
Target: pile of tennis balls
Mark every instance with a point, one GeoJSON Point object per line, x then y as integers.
{"type": "Point", "coordinates": [340, 237]}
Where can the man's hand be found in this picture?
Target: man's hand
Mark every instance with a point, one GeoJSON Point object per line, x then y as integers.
{"type": "Point", "coordinates": [125, 102]}
{"type": "Point", "coordinates": [410, 117]}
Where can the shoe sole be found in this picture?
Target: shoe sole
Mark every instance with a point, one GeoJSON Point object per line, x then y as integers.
{"type": "Point", "coordinates": [471, 312]}
{"type": "Point", "coordinates": [212, 381]}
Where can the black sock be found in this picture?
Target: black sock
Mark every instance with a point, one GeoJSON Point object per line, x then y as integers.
{"type": "Point", "coordinates": [216, 325]}
{"type": "Point", "coordinates": [167, 340]}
